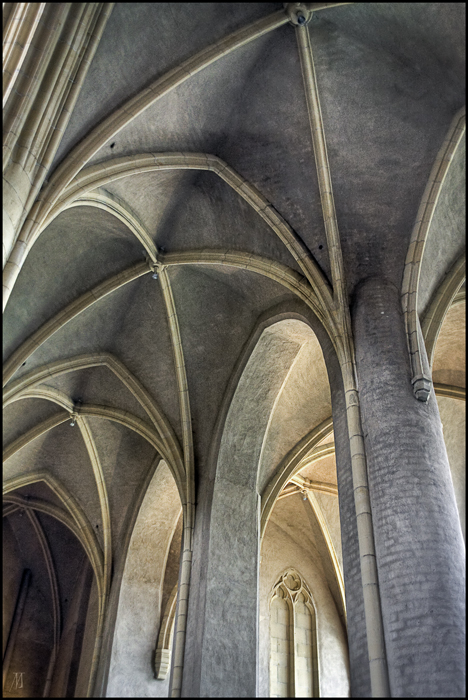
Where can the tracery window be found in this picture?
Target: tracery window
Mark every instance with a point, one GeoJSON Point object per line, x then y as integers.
{"type": "Point", "coordinates": [293, 638]}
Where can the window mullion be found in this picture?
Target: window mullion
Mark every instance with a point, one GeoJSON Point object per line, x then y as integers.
{"type": "Point", "coordinates": [292, 652]}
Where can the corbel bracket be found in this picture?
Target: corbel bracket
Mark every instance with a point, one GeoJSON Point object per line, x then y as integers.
{"type": "Point", "coordinates": [421, 380]}
{"type": "Point", "coordinates": [421, 387]}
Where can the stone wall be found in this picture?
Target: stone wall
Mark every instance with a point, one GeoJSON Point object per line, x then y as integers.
{"type": "Point", "coordinates": [131, 672]}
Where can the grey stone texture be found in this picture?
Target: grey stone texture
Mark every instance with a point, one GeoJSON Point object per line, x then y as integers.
{"type": "Point", "coordinates": [229, 358]}
{"type": "Point", "coordinates": [141, 592]}
{"type": "Point", "coordinates": [357, 641]}
{"type": "Point", "coordinates": [420, 550]}
{"type": "Point", "coordinates": [446, 241]}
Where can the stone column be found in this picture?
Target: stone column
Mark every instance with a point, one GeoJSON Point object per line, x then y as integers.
{"type": "Point", "coordinates": [221, 651]}
{"type": "Point", "coordinates": [48, 50]}
{"type": "Point", "coordinates": [221, 640]}
{"type": "Point", "coordinates": [359, 671]}
{"type": "Point", "coordinates": [222, 627]}
{"type": "Point", "coordinates": [419, 545]}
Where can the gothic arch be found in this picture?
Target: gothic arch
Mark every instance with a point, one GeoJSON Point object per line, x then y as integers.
{"type": "Point", "coordinates": [259, 378]}
{"type": "Point", "coordinates": [264, 182]}
{"type": "Point", "coordinates": [76, 619]}
{"type": "Point", "coordinates": [417, 257]}
{"type": "Point", "coordinates": [294, 669]}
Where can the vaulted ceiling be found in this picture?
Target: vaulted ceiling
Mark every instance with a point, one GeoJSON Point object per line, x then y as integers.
{"type": "Point", "coordinates": [156, 353]}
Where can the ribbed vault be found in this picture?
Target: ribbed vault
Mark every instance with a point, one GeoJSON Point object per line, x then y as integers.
{"type": "Point", "coordinates": [234, 170]}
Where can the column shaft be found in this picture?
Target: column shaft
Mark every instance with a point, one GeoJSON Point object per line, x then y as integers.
{"type": "Point", "coordinates": [419, 546]}
{"type": "Point", "coordinates": [357, 637]}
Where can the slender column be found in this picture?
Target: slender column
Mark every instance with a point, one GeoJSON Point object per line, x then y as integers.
{"type": "Point", "coordinates": [182, 606]}
{"type": "Point", "coordinates": [418, 540]}
{"type": "Point", "coordinates": [292, 649]}
{"type": "Point", "coordinates": [363, 511]}
{"type": "Point", "coordinates": [359, 667]}
{"type": "Point", "coordinates": [65, 659]}
{"type": "Point", "coordinates": [62, 43]}
{"type": "Point", "coordinates": [23, 591]}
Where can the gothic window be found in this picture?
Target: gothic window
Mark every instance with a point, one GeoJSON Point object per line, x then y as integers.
{"type": "Point", "coordinates": [293, 638]}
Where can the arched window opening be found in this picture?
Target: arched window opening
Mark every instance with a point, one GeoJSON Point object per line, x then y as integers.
{"type": "Point", "coordinates": [293, 639]}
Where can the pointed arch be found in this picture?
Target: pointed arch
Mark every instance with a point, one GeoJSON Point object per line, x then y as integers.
{"type": "Point", "coordinates": [139, 597]}
{"type": "Point", "coordinates": [33, 434]}
{"type": "Point", "coordinates": [50, 424]}
{"type": "Point", "coordinates": [37, 376]}
{"type": "Point", "coordinates": [101, 174]}
{"type": "Point", "coordinates": [440, 303]}
{"type": "Point", "coordinates": [77, 521]}
{"type": "Point", "coordinates": [112, 204]}
{"type": "Point", "coordinates": [117, 415]}
{"type": "Point", "coordinates": [77, 306]}
{"type": "Point", "coordinates": [294, 668]}
{"type": "Point", "coordinates": [303, 455]}
{"type": "Point", "coordinates": [306, 451]}
{"type": "Point", "coordinates": [414, 256]}
{"type": "Point", "coordinates": [88, 146]}
{"type": "Point", "coordinates": [285, 276]}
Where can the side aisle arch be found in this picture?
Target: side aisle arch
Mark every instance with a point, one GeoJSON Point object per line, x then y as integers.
{"type": "Point", "coordinates": [421, 379]}
{"type": "Point", "coordinates": [140, 596]}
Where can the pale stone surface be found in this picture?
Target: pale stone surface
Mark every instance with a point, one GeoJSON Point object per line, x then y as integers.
{"type": "Point", "coordinates": [228, 650]}
{"type": "Point", "coordinates": [447, 224]}
{"type": "Point", "coordinates": [138, 616]}
{"type": "Point", "coordinates": [390, 78]}
{"type": "Point", "coordinates": [323, 469]}
{"type": "Point", "coordinates": [279, 648]}
{"type": "Point", "coordinates": [304, 649]}
{"type": "Point", "coordinates": [303, 403]}
{"type": "Point", "coordinates": [63, 445]}
{"type": "Point", "coordinates": [453, 415]}
{"type": "Point", "coordinates": [279, 551]}
{"type": "Point", "coordinates": [450, 351]}
{"type": "Point", "coordinates": [331, 511]}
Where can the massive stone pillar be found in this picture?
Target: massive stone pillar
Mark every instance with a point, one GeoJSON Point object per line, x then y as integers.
{"type": "Point", "coordinates": [221, 651]}
{"type": "Point", "coordinates": [419, 545]}
{"type": "Point", "coordinates": [221, 643]}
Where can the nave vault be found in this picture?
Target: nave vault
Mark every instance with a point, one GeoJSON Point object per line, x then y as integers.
{"type": "Point", "coordinates": [234, 350]}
